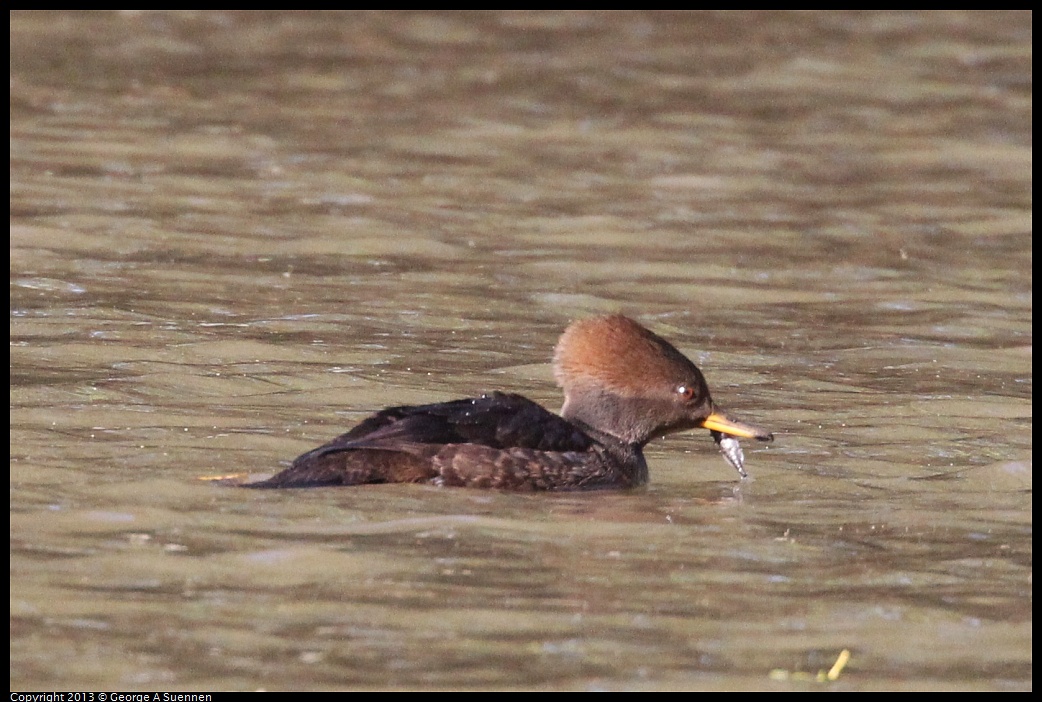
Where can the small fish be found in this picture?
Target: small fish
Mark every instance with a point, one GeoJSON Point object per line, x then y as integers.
{"type": "Point", "coordinates": [732, 451]}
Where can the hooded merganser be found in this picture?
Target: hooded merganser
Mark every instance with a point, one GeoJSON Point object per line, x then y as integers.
{"type": "Point", "coordinates": [623, 386]}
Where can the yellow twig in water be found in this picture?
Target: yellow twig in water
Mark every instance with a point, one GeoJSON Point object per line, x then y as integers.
{"type": "Point", "coordinates": [822, 676]}
{"type": "Point", "coordinates": [839, 665]}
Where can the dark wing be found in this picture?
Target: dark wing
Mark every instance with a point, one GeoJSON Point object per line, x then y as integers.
{"type": "Point", "coordinates": [399, 444]}
{"type": "Point", "coordinates": [498, 420]}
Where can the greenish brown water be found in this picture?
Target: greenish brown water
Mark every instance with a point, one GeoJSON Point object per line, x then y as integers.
{"type": "Point", "coordinates": [234, 235]}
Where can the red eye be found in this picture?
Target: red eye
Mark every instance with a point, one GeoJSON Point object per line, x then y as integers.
{"type": "Point", "coordinates": [686, 392]}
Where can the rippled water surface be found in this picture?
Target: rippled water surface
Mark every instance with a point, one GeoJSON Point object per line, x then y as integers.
{"type": "Point", "coordinates": [234, 235]}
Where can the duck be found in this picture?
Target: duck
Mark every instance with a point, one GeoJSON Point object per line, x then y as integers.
{"type": "Point", "coordinates": [623, 385]}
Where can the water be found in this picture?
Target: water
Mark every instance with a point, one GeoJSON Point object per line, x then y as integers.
{"type": "Point", "coordinates": [234, 235]}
